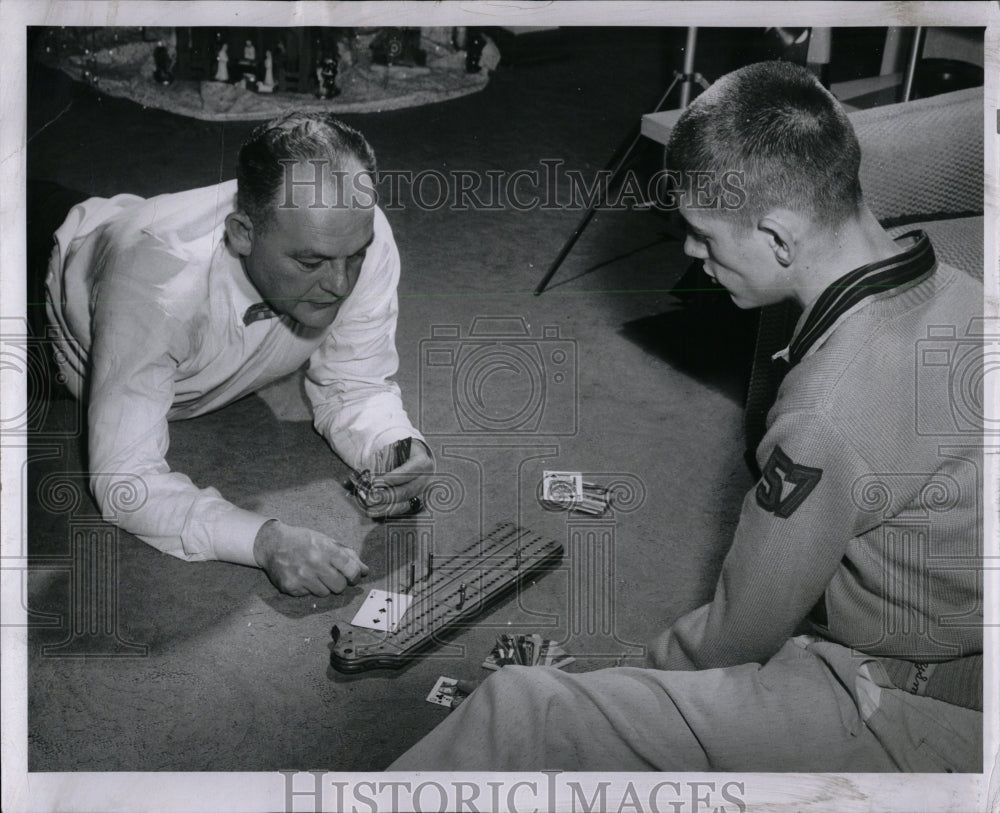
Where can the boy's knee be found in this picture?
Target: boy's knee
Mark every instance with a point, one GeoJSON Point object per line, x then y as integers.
{"type": "Point", "coordinates": [507, 682]}
{"type": "Point", "coordinates": [523, 690]}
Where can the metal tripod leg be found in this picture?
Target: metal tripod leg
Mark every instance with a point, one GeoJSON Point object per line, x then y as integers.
{"type": "Point", "coordinates": [615, 164]}
{"type": "Point", "coordinates": [625, 150]}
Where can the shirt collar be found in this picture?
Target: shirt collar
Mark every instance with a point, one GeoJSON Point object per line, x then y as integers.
{"type": "Point", "coordinates": [248, 303]}
{"type": "Point", "coordinates": [858, 287]}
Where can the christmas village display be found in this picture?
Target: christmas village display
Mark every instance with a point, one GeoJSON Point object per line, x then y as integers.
{"type": "Point", "coordinates": [254, 73]}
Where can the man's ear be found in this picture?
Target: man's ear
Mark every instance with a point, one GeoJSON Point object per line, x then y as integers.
{"type": "Point", "coordinates": [779, 229]}
{"type": "Point", "coordinates": [239, 232]}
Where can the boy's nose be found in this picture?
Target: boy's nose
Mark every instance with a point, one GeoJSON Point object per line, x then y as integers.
{"type": "Point", "coordinates": [695, 248]}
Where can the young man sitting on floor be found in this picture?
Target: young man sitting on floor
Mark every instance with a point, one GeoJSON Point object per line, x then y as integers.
{"type": "Point", "coordinates": [845, 633]}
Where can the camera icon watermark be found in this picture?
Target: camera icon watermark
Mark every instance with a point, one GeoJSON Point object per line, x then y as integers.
{"type": "Point", "coordinates": [500, 380]}
{"type": "Point", "coordinates": [954, 371]}
{"type": "Point", "coordinates": [41, 361]}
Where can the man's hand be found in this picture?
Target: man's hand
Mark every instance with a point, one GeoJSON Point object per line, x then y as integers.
{"type": "Point", "coordinates": [299, 561]}
{"type": "Point", "coordinates": [391, 493]}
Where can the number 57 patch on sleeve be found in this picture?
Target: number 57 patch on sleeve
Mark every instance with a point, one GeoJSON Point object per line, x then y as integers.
{"type": "Point", "coordinates": [784, 484]}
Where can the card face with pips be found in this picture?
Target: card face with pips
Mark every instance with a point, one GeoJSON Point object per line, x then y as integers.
{"type": "Point", "coordinates": [382, 610]}
{"type": "Point", "coordinates": [562, 486]}
{"type": "Point", "coordinates": [443, 692]}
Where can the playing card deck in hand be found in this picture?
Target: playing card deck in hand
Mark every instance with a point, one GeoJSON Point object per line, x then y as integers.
{"type": "Point", "coordinates": [392, 456]}
{"type": "Point", "coordinates": [387, 459]}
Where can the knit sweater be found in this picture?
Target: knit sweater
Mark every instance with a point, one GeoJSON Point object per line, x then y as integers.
{"type": "Point", "coordinates": [866, 523]}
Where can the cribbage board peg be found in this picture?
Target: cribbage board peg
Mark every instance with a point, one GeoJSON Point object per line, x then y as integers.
{"type": "Point", "coordinates": [443, 602]}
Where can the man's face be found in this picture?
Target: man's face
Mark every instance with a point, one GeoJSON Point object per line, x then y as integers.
{"type": "Point", "coordinates": [306, 261]}
{"type": "Point", "coordinates": [740, 261]}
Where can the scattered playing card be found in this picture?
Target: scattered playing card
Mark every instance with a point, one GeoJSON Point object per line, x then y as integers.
{"type": "Point", "coordinates": [382, 610]}
{"type": "Point", "coordinates": [526, 650]}
{"type": "Point", "coordinates": [568, 490]}
{"type": "Point", "coordinates": [562, 486]}
{"type": "Point", "coordinates": [554, 655]}
{"type": "Point", "coordinates": [443, 692]}
{"type": "Point", "coordinates": [595, 500]}
{"type": "Point", "coordinates": [449, 692]}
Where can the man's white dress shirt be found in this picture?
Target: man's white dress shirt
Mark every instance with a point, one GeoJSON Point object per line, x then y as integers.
{"type": "Point", "coordinates": [148, 302]}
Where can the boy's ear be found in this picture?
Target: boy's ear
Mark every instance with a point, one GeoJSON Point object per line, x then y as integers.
{"type": "Point", "coordinates": [239, 232]}
{"type": "Point", "coordinates": [780, 233]}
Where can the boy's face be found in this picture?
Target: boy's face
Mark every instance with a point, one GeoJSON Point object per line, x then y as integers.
{"type": "Point", "coordinates": [742, 262]}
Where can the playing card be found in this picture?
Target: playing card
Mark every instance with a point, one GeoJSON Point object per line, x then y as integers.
{"type": "Point", "coordinates": [449, 692]}
{"type": "Point", "coordinates": [443, 692]}
{"type": "Point", "coordinates": [595, 500]}
{"type": "Point", "coordinates": [555, 655]}
{"type": "Point", "coordinates": [527, 650]}
{"type": "Point", "coordinates": [562, 486]}
{"type": "Point", "coordinates": [382, 610]}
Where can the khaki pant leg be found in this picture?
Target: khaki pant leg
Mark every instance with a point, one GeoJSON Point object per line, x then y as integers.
{"type": "Point", "coordinates": [793, 714]}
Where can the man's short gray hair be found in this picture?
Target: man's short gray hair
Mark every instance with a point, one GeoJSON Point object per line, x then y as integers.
{"type": "Point", "coordinates": [294, 137]}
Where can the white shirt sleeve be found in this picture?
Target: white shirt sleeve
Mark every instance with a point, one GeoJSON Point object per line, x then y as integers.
{"type": "Point", "coordinates": [136, 348]}
{"type": "Point", "coordinates": [356, 405]}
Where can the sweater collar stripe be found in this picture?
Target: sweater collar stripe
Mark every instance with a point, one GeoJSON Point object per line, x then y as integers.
{"type": "Point", "coordinates": [868, 281]}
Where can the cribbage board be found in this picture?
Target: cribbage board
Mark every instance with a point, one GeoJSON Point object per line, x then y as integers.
{"type": "Point", "coordinates": [458, 589]}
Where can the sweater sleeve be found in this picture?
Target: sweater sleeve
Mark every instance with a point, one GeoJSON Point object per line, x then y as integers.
{"type": "Point", "coordinates": [794, 528]}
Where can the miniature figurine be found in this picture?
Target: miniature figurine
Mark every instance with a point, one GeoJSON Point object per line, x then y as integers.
{"type": "Point", "coordinates": [222, 57]}
{"type": "Point", "coordinates": [267, 86]}
{"type": "Point", "coordinates": [326, 76]}
{"type": "Point", "coordinates": [474, 44]}
{"type": "Point", "coordinates": [247, 66]}
{"type": "Point", "coordinates": [161, 57]}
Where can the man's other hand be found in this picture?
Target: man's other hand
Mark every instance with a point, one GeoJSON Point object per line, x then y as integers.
{"type": "Point", "coordinates": [299, 561]}
{"type": "Point", "coordinates": [391, 492]}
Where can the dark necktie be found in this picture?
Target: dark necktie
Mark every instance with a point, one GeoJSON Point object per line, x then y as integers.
{"type": "Point", "coordinates": [260, 310]}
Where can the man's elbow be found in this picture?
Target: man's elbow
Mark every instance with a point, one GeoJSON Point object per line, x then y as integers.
{"type": "Point", "coordinates": [121, 498]}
